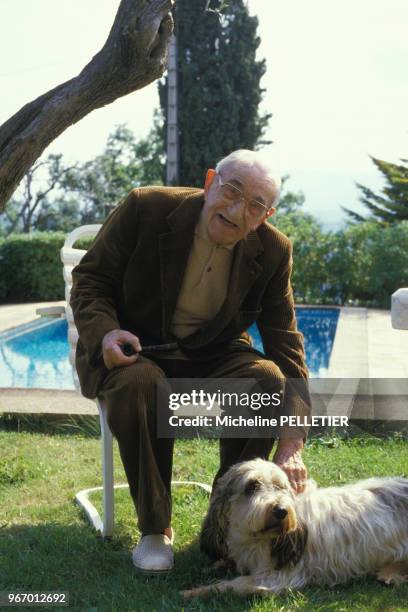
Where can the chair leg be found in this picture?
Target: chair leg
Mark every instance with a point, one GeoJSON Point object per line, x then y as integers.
{"type": "Point", "coordinates": [105, 525]}
{"type": "Point", "coordinates": [107, 473]}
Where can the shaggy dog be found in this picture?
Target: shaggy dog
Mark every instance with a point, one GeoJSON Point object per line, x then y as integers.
{"type": "Point", "coordinates": [279, 540]}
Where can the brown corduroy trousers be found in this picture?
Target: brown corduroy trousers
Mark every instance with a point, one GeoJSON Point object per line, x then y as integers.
{"type": "Point", "coordinates": [130, 396]}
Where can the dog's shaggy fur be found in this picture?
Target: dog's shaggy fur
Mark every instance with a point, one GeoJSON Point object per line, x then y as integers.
{"type": "Point", "coordinates": [280, 540]}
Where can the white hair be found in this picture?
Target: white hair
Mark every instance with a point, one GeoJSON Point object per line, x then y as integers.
{"type": "Point", "coordinates": [245, 157]}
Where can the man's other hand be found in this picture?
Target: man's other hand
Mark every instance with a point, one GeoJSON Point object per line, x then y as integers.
{"type": "Point", "coordinates": [289, 458]}
{"type": "Point", "coordinates": [112, 344]}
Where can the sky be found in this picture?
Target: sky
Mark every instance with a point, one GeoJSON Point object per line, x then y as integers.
{"type": "Point", "coordinates": [336, 84]}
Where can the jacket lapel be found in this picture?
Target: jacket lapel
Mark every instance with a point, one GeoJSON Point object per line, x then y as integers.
{"type": "Point", "coordinates": [174, 249]}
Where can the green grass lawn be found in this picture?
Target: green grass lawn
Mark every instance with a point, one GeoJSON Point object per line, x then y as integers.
{"type": "Point", "coordinates": [46, 543]}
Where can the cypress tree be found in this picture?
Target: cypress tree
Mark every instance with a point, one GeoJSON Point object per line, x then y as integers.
{"type": "Point", "coordinates": [218, 84]}
{"type": "Point", "coordinates": [391, 205]}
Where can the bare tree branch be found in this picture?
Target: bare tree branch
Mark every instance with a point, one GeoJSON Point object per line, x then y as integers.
{"type": "Point", "coordinates": [134, 55]}
{"type": "Point", "coordinates": [31, 202]}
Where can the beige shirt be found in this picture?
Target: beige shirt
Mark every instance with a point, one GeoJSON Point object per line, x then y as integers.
{"type": "Point", "coordinates": [204, 287]}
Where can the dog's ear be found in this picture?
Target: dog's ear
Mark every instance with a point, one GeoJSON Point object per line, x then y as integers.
{"type": "Point", "coordinates": [288, 548]}
{"type": "Point", "coordinates": [214, 531]}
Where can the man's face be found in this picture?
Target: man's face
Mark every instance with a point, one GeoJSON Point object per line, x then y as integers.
{"type": "Point", "coordinates": [228, 219]}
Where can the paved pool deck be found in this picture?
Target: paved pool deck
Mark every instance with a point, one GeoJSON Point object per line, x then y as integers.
{"type": "Point", "coordinates": [38, 401]}
{"type": "Point", "coordinates": [366, 346]}
{"type": "Point", "coordinates": [366, 351]}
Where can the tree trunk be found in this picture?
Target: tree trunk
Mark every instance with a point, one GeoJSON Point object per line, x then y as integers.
{"type": "Point", "coordinates": [134, 55]}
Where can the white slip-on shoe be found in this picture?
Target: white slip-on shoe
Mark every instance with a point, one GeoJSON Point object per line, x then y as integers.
{"type": "Point", "coordinates": [154, 554]}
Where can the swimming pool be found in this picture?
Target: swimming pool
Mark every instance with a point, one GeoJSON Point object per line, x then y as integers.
{"type": "Point", "coordinates": [36, 354]}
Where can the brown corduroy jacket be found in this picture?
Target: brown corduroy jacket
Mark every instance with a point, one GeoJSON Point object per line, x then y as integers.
{"type": "Point", "coordinates": [131, 276]}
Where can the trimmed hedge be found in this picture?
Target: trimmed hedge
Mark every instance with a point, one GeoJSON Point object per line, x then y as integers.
{"type": "Point", "coordinates": [361, 265]}
{"type": "Point", "coordinates": [31, 268]}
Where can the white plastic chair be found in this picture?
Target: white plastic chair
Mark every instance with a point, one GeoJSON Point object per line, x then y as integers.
{"type": "Point", "coordinates": [70, 258]}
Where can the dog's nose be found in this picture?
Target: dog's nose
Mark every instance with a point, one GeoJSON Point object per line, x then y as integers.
{"type": "Point", "coordinates": [274, 518]}
{"type": "Point", "coordinates": [279, 513]}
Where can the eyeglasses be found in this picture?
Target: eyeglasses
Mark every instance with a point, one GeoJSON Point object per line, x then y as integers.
{"type": "Point", "coordinates": [231, 193]}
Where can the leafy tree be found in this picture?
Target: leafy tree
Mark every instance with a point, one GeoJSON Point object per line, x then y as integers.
{"type": "Point", "coordinates": [361, 265]}
{"type": "Point", "coordinates": [60, 215]}
{"type": "Point", "coordinates": [310, 248]}
{"type": "Point", "coordinates": [101, 183]}
{"type": "Point", "coordinates": [391, 206]}
{"type": "Point", "coordinates": [376, 262]}
{"type": "Point", "coordinates": [85, 193]}
{"type": "Point", "coordinates": [218, 84]}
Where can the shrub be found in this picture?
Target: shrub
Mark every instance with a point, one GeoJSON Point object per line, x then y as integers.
{"type": "Point", "coordinates": [31, 267]}
{"type": "Point", "coordinates": [360, 265]}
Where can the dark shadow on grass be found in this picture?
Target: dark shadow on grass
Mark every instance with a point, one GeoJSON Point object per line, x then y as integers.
{"type": "Point", "coordinates": [362, 592]}
{"type": "Point", "coordinates": [196, 569]}
{"type": "Point", "coordinates": [95, 573]}
{"type": "Point", "coordinates": [100, 574]}
{"type": "Point", "coordinates": [51, 424]}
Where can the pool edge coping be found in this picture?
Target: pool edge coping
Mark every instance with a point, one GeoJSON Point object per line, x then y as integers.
{"type": "Point", "coordinates": [45, 401]}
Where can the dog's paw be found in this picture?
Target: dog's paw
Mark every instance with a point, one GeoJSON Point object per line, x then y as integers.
{"type": "Point", "coordinates": [394, 574]}
{"type": "Point", "coordinates": [189, 594]}
{"type": "Point", "coordinates": [203, 591]}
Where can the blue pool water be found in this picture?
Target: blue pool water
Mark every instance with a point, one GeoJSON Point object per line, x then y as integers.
{"type": "Point", "coordinates": [36, 355]}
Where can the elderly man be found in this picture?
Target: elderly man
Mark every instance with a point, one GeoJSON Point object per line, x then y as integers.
{"type": "Point", "coordinates": [196, 267]}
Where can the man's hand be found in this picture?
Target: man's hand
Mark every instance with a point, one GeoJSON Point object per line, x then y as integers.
{"type": "Point", "coordinates": [289, 458]}
{"type": "Point", "coordinates": [112, 348]}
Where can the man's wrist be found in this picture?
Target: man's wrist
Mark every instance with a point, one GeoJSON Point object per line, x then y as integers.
{"type": "Point", "coordinates": [290, 443]}
{"type": "Point", "coordinates": [287, 447]}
